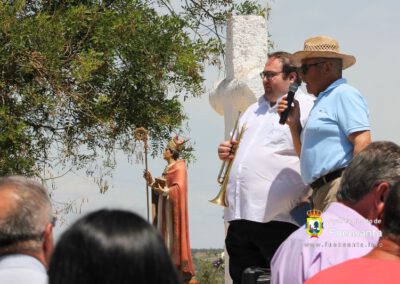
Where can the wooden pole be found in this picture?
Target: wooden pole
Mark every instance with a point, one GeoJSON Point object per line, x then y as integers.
{"type": "Point", "coordinates": [141, 134]}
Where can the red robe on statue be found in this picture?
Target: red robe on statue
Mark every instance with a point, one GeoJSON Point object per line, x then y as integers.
{"type": "Point", "coordinates": [172, 217]}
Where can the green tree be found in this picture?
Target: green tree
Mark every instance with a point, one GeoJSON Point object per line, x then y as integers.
{"type": "Point", "coordinates": [77, 77]}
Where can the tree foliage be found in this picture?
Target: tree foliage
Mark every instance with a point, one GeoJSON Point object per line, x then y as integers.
{"type": "Point", "coordinates": [77, 77]}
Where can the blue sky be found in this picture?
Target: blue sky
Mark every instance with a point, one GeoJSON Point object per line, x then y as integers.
{"type": "Point", "coordinates": [366, 29]}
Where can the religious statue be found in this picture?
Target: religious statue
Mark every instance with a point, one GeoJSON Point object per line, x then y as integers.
{"type": "Point", "coordinates": [171, 191]}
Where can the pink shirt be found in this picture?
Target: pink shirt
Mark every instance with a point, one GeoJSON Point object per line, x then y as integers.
{"type": "Point", "coordinates": [345, 235]}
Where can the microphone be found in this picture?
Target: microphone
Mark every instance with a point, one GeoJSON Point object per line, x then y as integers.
{"type": "Point", "coordinates": [290, 96]}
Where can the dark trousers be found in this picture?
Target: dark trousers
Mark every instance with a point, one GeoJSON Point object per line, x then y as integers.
{"type": "Point", "coordinates": [253, 244]}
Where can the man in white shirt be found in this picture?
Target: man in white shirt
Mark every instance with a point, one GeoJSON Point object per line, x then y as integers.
{"type": "Point", "coordinates": [26, 231]}
{"type": "Point", "coordinates": [264, 183]}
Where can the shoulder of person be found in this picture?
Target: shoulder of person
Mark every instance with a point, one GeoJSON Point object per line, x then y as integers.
{"type": "Point", "coordinates": [347, 89]}
{"type": "Point", "coordinates": [179, 164]}
{"type": "Point", "coordinates": [260, 101]}
{"type": "Point", "coordinates": [250, 109]}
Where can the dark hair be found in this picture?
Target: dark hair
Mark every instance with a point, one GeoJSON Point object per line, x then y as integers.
{"type": "Point", "coordinates": [378, 162]}
{"type": "Point", "coordinates": [175, 154]}
{"type": "Point", "coordinates": [111, 246]}
{"type": "Point", "coordinates": [391, 214]}
{"type": "Point", "coordinates": [287, 64]}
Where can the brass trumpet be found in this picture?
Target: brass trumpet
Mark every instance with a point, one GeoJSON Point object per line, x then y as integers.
{"type": "Point", "coordinates": [223, 175]}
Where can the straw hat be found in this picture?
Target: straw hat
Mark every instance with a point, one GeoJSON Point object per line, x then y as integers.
{"type": "Point", "coordinates": [322, 47]}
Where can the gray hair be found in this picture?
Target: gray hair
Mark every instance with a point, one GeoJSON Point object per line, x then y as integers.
{"type": "Point", "coordinates": [378, 162]}
{"type": "Point", "coordinates": [29, 213]}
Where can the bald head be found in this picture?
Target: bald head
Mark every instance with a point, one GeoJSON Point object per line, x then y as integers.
{"type": "Point", "coordinates": [7, 206]}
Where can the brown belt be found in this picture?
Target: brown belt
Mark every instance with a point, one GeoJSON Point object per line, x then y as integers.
{"type": "Point", "coordinates": [326, 178]}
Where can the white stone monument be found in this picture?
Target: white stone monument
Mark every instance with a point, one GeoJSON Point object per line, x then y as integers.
{"type": "Point", "coordinates": [246, 55]}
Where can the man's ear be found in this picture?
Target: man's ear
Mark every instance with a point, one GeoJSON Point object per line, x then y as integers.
{"type": "Point", "coordinates": [292, 77]}
{"type": "Point", "coordinates": [381, 191]}
{"type": "Point", "coordinates": [327, 67]}
{"type": "Point", "coordinates": [48, 243]}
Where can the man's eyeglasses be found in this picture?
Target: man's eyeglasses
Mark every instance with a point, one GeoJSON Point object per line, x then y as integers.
{"type": "Point", "coordinates": [269, 74]}
{"type": "Point", "coordinates": [305, 67]}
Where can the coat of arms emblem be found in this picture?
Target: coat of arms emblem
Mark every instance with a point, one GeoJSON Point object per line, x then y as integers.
{"type": "Point", "coordinates": [314, 224]}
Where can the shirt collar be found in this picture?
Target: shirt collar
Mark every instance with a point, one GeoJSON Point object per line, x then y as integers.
{"type": "Point", "coordinates": [348, 214]}
{"type": "Point", "coordinates": [265, 103]}
{"type": "Point", "coordinates": [21, 260]}
{"type": "Point", "coordinates": [331, 87]}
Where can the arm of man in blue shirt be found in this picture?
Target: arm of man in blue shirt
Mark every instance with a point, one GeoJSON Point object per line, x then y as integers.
{"type": "Point", "coordinates": [360, 140]}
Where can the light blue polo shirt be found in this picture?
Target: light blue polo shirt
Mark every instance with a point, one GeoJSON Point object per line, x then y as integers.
{"type": "Point", "coordinates": [338, 111]}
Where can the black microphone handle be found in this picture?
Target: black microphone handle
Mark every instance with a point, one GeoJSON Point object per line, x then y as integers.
{"type": "Point", "coordinates": [285, 113]}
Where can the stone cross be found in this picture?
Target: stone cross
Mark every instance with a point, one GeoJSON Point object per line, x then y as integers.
{"type": "Point", "coordinates": [246, 54]}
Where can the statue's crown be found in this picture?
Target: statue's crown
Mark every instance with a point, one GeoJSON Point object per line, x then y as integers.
{"type": "Point", "coordinates": [176, 143]}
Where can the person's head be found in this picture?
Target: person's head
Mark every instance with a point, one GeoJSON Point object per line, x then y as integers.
{"type": "Point", "coordinates": [367, 180]}
{"type": "Point", "coordinates": [321, 63]}
{"type": "Point", "coordinates": [391, 215]}
{"type": "Point", "coordinates": [278, 74]}
{"type": "Point", "coordinates": [26, 220]}
{"type": "Point", "coordinates": [170, 154]}
{"type": "Point", "coordinates": [173, 149]}
{"type": "Point", "coordinates": [111, 246]}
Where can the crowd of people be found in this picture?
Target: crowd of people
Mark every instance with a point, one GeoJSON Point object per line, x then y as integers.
{"type": "Point", "coordinates": [106, 246]}
{"type": "Point", "coordinates": [319, 163]}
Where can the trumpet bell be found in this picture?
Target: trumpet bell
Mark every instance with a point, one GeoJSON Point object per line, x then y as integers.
{"type": "Point", "coordinates": [220, 199]}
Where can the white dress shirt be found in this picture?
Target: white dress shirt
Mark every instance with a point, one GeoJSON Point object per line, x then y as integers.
{"type": "Point", "coordinates": [265, 183]}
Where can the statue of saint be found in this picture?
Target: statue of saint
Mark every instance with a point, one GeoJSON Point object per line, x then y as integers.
{"type": "Point", "coordinates": [170, 191]}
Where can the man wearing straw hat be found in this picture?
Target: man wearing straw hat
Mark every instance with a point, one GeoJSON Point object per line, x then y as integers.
{"type": "Point", "coordinates": [338, 126]}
